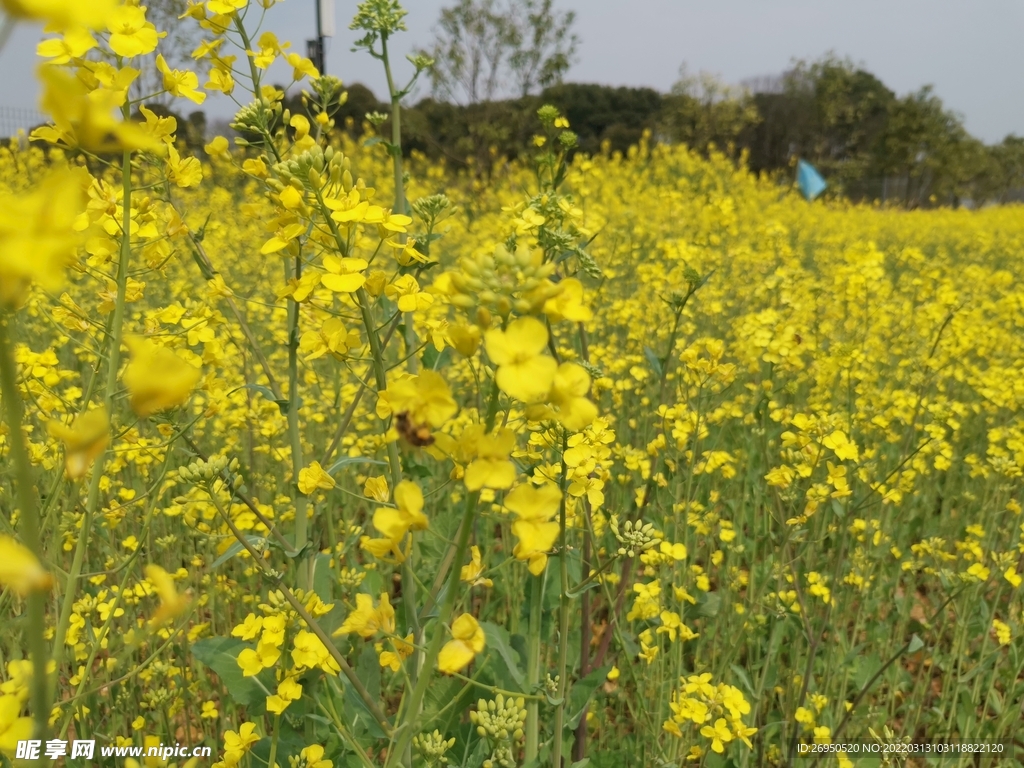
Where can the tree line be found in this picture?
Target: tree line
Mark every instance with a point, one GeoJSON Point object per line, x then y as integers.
{"type": "Point", "coordinates": [869, 143]}
{"type": "Point", "coordinates": [495, 62]}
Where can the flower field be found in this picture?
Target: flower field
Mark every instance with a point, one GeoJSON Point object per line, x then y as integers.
{"type": "Point", "coordinates": [319, 455]}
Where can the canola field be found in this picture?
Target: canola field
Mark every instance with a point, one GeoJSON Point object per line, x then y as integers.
{"type": "Point", "coordinates": [318, 456]}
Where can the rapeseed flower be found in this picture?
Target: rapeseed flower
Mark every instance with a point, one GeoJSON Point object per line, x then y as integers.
{"type": "Point", "coordinates": [534, 509]}
{"type": "Point", "coordinates": [467, 641]}
{"type": "Point", "coordinates": [156, 378]}
{"type": "Point", "coordinates": [524, 371]}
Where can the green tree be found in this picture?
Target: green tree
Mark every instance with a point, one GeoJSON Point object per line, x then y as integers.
{"type": "Point", "coordinates": [703, 110]}
{"type": "Point", "coordinates": [919, 147]}
{"type": "Point", "coordinates": [543, 44]}
{"type": "Point", "coordinates": [472, 43]}
{"type": "Point", "coordinates": [483, 50]}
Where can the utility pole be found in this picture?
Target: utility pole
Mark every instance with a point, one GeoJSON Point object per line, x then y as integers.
{"type": "Point", "coordinates": [324, 28]}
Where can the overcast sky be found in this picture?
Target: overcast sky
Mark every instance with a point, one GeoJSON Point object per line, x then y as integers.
{"type": "Point", "coordinates": [970, 51]}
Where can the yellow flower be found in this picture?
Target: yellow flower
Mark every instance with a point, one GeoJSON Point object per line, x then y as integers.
{"type": "Point", "coordinates": [63, 14]}
{"type": "Point", "coordinates": [85, 119]}
{"type": "Point", "coordinates": [20, 569]}
{"type": "Point", "coordinates": [1011, 575]}
{"type": "Point", "coordinates": [402, 650]}
{"type": "Point", "coordinates": [84, 441]}
{"type": "Point", "coordinates": [309, 651]}
{"type": "Point", "coordinates": [156, 378]}
{"type": "Point", "coordinates": [376, 488]}
{"type": "Point", "coordinates": [226, 6]}
{"type": "Point", "coordinates": [406, 293]}
{"type": "Point", "coordinates": [568, 396]}
{"type": "Point", "coordinates": [524, 372]}
{"type": "Point", "coordinates": [426, 399]}
{"type": "Point", "coordinates": [1003, 633]}
{"type": "Point", "coordinates": [180, 82]}
{"type": "Point", "coordinates": [471, 573]}
{"type": "Point", "coordinates": [237, 744]}
{"type": "Point", "coordinates": [534, 509]}
{"type": "Point", "coordinates": [37, 234]}
{"type": "Point", "coordinates": [220, 80]}
{"type": "Point", "coordinates": [568, 304]}
{"type": "Point", "coordinates": [13, 727]}
{"type": "Point", "coordinates": [130, 33]}
{"type": "Point", "coordinates": [719, 734]}
{"type": "Point", "coordinates": [314, 477]}
{"type": "Point", "coordinates": [287, 692]}
{"type": "Point", "coordinates": [184, 173]}
{"type": "Point", "coordinates": [979, 572]}
{"type": "Point", "coordinates": [841, 445]}
{"type": "Point", "coordinates": [491, 468]}
{"type": "Point", "coordinates": [73, 44]}
{"type": "Point", "coordinates": [313, 757]}
{"type": "Point", "coordinates": [467, 641]}
{"type": "Point", "coordinates": [366, 620]}
{"type": "Point", "coordinates": [344, 275]}
{"type": "Point", "coordinates": [332, 337]}
{"type": "Point", "coordinates": [171, 603]}
{"type": "Point", "coordinates": [394, 523]}
{"type": "Point", "coordinates": [252, 662]}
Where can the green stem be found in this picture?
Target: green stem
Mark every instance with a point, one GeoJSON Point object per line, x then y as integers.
{"type": "Point", "coordinates": [305, 615]}
{"type": "Point", "coordinates": [272, 758]}
{"type": "Point", "coordinates": [396, 160]}
{"type": "Point", "coordinates": [294, 435]}
{"type": "Point", "coordinates": [533, 667]}
{"type": "Point", "coordinates": [406, 730]}
{"type": "Point", "coordinates": [35, 638]}
{"type": "Point", "coordinates": [563, 618]}
{"type": "Point", "coordinates": [396, 132]}
{"type": "Point", "coordinates": [114, 338]}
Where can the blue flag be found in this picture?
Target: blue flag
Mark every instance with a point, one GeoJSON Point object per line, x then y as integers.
{"type": "Point", "coordinates": [810, 181]}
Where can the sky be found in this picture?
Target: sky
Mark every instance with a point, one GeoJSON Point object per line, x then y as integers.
{"type": "Point", "coordinates": [969, 51]}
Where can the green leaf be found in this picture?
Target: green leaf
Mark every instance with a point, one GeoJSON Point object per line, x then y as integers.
{"type": "Point", "coordinates": [708, 604]}
{"type": "Point", "coordinates": [654, 360]}
{"type": "Point", "coordinates": [220, 654]}
{"type": "Point", "coordinates": [581, 763]}
{"type": "Point", "coordinates": [257, 542]}
{"type": "Point", "coordinates": [838, 509]}
{"type": "Point", "coordinates": [353, 699]}
{"type": "Point", "coordinates": [323, 578]}
{"type": "Point", "coordinates": [582, 692]}
{"type": "Point", "coordinates": [267, 393]}
{"type": "Point", "coordinates": [351, 460]}
{"type": "Point", "coordinates": [436, 710]}
{"type": "Point", "coordinates": [498, 639]}
{"type": "Point", "coordinates": [435, 360]}
{"type": "Point", "coordinates": [741, 674]}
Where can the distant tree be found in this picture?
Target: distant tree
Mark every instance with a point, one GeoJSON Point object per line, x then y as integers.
{"type": "Point", "coordinates": [483, 49]}
{"type": "Point", "coordinates": [471, 46]}
{"type": "Point", "coordinates": [601, 113]}
{"type": "Point", "coordinates": [543, 44]}
{"type": "Point", "coordinates": [703, 110]}
{"type": "Point", "coordinates": [1004, 174]}
{"type": "Point", "coordinates": [919, 146]}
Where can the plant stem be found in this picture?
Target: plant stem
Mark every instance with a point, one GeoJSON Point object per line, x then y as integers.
{"type": "Point", "coordinates": [563, 617]}
{"type": "Point", "coordinates": [35, 638]}
{"type": "Point", "coordinates": [114, 338]}
{"type": "Point", "coordinates": [406, 730]}
{"type": "Point", "coordinates": [533, 667]}
{"type": "Point", "coordinates": [396, 132]}
{"type": "Point", "coordinates": [294, 435]}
